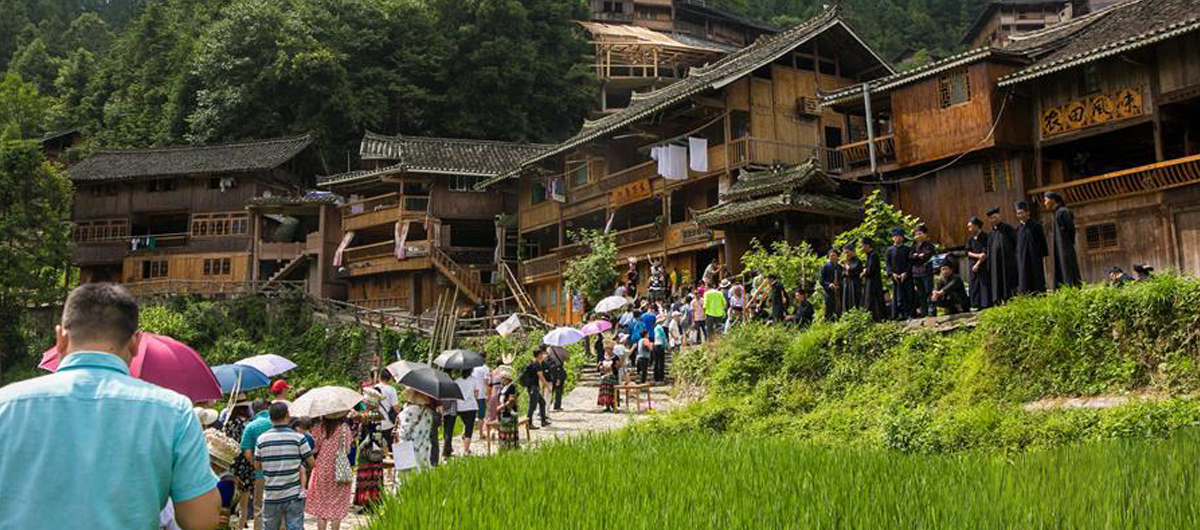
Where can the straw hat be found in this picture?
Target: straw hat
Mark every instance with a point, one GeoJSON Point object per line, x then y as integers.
{"type": "Point", "coordinates": [725, 283]}
{"type": "Point", "coordinates": [206, 416]}
{"type": "Point", "coordinates": [505, 372]}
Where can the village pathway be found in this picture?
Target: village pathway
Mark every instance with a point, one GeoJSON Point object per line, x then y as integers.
{"type": "Point", "coordinates": [580, 415]}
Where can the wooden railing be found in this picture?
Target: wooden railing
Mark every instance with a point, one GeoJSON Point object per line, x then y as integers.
{"type": "Point", "coordinates": [472, 255]}
{"type": "Point", "coordinates": [372, 204]}
{"type": "Point", "coordinates": [643, 171]}
{"type": "Point", "coordinates": [157, 241]}
{"type": "Point", "coordinates": [151, 288]}
{"type": "Point", "coordinates": [1142, 179]}
{"type": "Point", "coordinates": [538, 266]}
{"type": "Point", "coordinates": [280, 251]}
{"type": "Point", "coordinates": [764, 152]}
{"type": "Point", "coordinates": [466, 279]}
{"type": "Point", "coordinates": [416, 204]}
{"type": "Point", "coordinates": [524, 302]}
{"type": "Point", "coordinates": [385, 249]}
{"type": "Point", "coordinates": [569, 251]}
{"type": "Point", "coordinates": [859, 153]}
{"type": "Point", "coordinates": [639, 234]}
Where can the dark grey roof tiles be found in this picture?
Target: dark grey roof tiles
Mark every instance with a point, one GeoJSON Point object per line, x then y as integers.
{"type": "Point", "coordinates": [126, 164]}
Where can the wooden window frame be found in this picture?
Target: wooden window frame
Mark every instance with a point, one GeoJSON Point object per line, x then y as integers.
{"type": "Point", "coordinates": [1102, 237]}
{"type": "Point", "coordinates": [99, 230]}
{"type": "Point", "coordinates": [154, 269]}
{"type": "Point", "coordinates": [946, 87]}
{"type": "Point", "coordinates": [992, 181]}
{"type": "Point", "coordinates": [220, 224]}
{"type": "Point", "coordinates": [464, 183]}
{"type": "Point", "coordinates": [163, 185]}
{"type": "Point", "coordinates": [218, 267]}
{"type": "Point", "coordinates": [573, 171]}
{"type": "Point", "coordinates": [536, 198]}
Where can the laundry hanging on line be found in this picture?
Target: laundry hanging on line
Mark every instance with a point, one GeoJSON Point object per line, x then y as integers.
{"type": "Point", "coordinates": [698, 154]}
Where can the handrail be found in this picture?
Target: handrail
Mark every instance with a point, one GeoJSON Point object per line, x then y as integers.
{"type": "Point", "coordinates": [1141, 179]}
{"type": "Point", "coordinates": [645, 170]}
{"type": "Point", "coordinates": [638, 234]}
{"type": "Point", "coordinates": [376, 200]}
{"type": "Point", "coordinates": [461, 276]}
{"type": "Point", "coordinates": [184, 286]}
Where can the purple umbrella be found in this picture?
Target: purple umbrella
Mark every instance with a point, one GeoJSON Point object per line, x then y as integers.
{"type": "Point", "coordinates": [595, 327]}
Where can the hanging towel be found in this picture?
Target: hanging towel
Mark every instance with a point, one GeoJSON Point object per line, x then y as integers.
{"type": "Point", "coordinates": [557, 190]}
{"type": "Point", "coordinates": [677, 156]}
{"type": "Point", "coordinates": [401, 238]}
{"type": "Point", "coordinates": [659, 154]}
{"type": "Point", "coordinates": [337, 255]}
{"type": "Point", "coordinates": [698, 154]}
{"type": "Point", "coordinates": [499, 254]}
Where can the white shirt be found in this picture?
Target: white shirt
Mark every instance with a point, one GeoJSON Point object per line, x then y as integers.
{"type": "Point", "coordinates": [467, 386]}
{"type": "Point", "coordinates": [390, 399]}
{"type": "Point", "coordinates": [480, 375]}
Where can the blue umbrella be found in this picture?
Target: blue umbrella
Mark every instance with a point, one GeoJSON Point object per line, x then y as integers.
{"type": "Point", "coordinates": [251, 377]}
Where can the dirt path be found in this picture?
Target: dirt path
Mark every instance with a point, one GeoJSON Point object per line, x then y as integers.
{"type": "Point", "coordinates": [580, 415]}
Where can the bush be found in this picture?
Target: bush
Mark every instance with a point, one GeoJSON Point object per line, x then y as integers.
{"type": "Point", "coordinates": [855, 382]}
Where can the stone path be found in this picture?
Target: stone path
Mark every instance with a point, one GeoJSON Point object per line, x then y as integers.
{"type": "Point", "coordinates": [580, 415]}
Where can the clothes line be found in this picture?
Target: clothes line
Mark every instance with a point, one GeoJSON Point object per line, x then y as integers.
{"type": "Point", "coordinates": [682, 138]}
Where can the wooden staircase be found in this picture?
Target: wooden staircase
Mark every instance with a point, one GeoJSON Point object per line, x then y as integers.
{"type": "Point", "coordinates": [465, 279]}
{"type": "Point", "coordinates": [288, 268]}
{"type": "Point", "coordinates": [524, 302]}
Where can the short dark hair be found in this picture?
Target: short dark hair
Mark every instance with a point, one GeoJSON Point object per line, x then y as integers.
{"type": "Point", "coordinates": [1056, 197]}
{"type": "Point", "coordinates": [385, 375]}
{"type": "Point", "coordinates": [303, 423]}
{"type": "Point", "coordinates": [100, 311]}
{"type": "Point", "coordinates": [279, 411]}
{"type": "Point", "coordinates": [975, 221]}
{"type": "Point", "coordinates": [260, 405]}
{"type": "Point", "coordinates": [922, 229]}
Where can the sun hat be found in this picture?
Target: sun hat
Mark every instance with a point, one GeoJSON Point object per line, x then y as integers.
{"type": "Point", "coordinates": [504, 372]}
{"type": "Point", "coordinates": [206, 416]}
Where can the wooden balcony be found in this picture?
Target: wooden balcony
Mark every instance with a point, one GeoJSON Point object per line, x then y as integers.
{"type": "Point", "coordinates": [643, 171]}
{"type": "Point", "coordinates": [535, 268]}
{"type": "Point", "coordinates": [381, 257]}
{"type": "Point", "coordinates": [688, 235]}
{"type": "Point", "coordinates": [375, 211]}
{"type": "Point", "coordinates": [151, 242]}
{"type": "Point", "coordinates": [858, 154]}
{"type": "Point", "coordinates": [639, 234]}
{"type": "Point", "coordinates": [570, 251]}
{"type": "Point", "coordinates": [764, 152]}
{"type": "Point", "coordinates": [1134, 181]}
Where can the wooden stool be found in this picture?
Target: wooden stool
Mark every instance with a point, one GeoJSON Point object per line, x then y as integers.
{"type": "Point", "coordinates": [494, 431]}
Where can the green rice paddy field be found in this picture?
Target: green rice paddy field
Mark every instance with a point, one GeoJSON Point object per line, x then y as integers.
{"type": "Point", "coordinates": [636, 480]}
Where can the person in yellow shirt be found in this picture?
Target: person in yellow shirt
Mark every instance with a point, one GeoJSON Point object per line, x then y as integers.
{"type": "Point", "coordinates": [714, 309]}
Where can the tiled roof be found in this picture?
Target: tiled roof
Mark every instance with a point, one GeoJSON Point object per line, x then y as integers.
{"type": "Point", "coordinates": [312, 197]}
{"type": "Point", "coordinates": [787, 201]}
{"type": "Point", "coordinates": [448, 155]}
{"type": "Point", "coordinates": [890, 82]}
{"type": "Point", "coordinates": [700, 79]}
{"type": "Point", "coordinates": [1117, 29]}
{"type": "Point", "coordinates": [188, 160]}
{"type": "Point", "coordinates": [801, 188]}
{"type": "Point", "coordinates": [807, 176]}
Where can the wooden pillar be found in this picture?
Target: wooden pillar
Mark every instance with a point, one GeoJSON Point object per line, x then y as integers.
{"type": "Point", "coordinates": [255, 247]}
{"type": "Point", "coordinates": [1157, 117]}
{"type": "Point", "coordinates": [1038, 177]}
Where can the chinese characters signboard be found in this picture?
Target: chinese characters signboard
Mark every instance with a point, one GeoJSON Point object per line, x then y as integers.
{"type": "Point", "coordinates": [1089, 111]}
{"type": "Point", "coordinates": [632, 192]}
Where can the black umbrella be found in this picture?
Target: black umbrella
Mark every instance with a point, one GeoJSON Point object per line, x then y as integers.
{"type": "Point", "coordinates": [425, 379]}
{"type": "Point", "coordinates": [458, 360]}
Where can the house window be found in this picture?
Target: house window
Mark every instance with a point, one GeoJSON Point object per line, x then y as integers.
{"type": "Point", "coordinates": [102, 190]}
{"type": "Point", "coordinates": [101, 230]}
{"type": "Point", "coordinates": [537, 192]}
{"type": "Point", "coordinates": [154, 269]}
{"type": "Point", "coordinates": [996, 175]}
{"type": "Point", "coordinates": [616, 6]}
{"type": "Point", "coordinates": [1101, 236]}
{"type": "Point", "coordinates": [161, 185]}
{"type": "Point", "coordinates": [217, 267]}
{"type": "Point", "coordinates": [954, 88]}
{"type": "Point", "coordinates": [464, 182]}
{"type": "Point", "coordinates": [579, 174]}
{"type": "Point", "coordinates": [220, 224]}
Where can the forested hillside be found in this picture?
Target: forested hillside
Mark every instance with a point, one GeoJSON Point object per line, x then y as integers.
{"type": "Point", "coordinates": [160, 72]}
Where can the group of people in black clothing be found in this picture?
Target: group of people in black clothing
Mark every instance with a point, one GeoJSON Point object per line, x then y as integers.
{"type": "Point", "coordinates": [1003, 261]}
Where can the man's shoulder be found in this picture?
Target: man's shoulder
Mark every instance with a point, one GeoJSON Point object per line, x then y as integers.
{"type": "Point", "coordinates": [116, 387]}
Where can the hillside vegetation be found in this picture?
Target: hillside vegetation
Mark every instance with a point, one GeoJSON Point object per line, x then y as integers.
{"type": "Point", "coordinates": [875, 385]}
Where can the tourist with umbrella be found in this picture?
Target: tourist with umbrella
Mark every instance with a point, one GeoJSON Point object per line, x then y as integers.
{"type": "Point", "coordinates": [415, 426]}
{"type": "Point", "coordinates": [460, 363]}
{"type": "Point", "coordinates": [330, 486]}
{"type": "Point", "coordinates": [431, 382]}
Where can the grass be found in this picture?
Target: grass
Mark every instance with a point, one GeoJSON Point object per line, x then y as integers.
{"type": "Point", "coordinates": [631, 480]}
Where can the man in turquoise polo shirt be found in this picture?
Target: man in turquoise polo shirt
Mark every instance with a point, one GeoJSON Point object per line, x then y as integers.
{"type": "Point", "coordinates": [91, 447]}
{"type": "Point", "coordinates": [257, 426]}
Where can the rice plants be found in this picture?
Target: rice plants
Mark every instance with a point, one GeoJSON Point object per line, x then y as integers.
{"type": "Point", "coordinates": [639, 480]}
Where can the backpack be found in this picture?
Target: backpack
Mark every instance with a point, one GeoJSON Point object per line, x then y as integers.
{"type": "Point", "coordinates": [529, 376]}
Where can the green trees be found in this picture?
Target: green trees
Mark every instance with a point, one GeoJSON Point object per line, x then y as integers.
{"type": "Point", "coordinates": [34, 232]}
{"type": "Point", "coordinates": [593, 274]}
{"type": "Point", "coordinates": [22, 109]}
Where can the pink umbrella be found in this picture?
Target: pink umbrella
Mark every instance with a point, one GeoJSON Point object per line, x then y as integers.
{"type": "Point", "coordinates": [165, 362]}
{"type": "Point", "coordinates": [595, 327]}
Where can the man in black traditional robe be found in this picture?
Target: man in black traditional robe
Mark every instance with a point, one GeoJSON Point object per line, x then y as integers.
{"type": "Point", "coordinates": [1066, 262]}
{"type": "Point", "coordinates": [949, 293]}
{"type": "Point", "coordinates": [852, 281]}
{"type": "Point", "coordinates": [831, 282]}
{"type": "Point", "coordinates": [1031, 252]}
{"type": "Point", "coordinates": [922, 270]}
{"type": "Point", "coordinates": [977, 280]}
{"type": "Point", "coordinates": [899, 269]}
{"type": "Point", "coordinates": [778, 296]}
{"type": "Point", "coordinates": [1001, 259]}
{"type": "Point", "coordinates": [872, 275]}
{"type": "Point", "coordinates": [803, 310]}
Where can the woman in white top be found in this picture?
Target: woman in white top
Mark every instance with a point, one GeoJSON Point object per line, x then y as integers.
{"type": "Point", "coordinates": [482, 375]}
{"type": "Point", "coordinates": [467, 408]}
{"type": "Point", "coordinates": [416, 420]}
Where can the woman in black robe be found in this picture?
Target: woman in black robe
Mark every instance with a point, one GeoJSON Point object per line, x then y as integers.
{"type": "Point", "coordinates": [977, 281]}
{"type": "Point", "coordinates": [873, 283]}
{"type": "Point", "coordinates": [852, 283]}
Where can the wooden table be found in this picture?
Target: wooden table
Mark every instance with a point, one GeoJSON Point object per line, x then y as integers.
{"type": "Point", "coordinates": [637, 389]}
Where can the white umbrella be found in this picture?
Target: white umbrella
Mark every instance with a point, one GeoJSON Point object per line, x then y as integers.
{"type": "Point", "coordinates": [611, 303]}
{"type": "Point", "coordinates": [268, 363]}
{"type": "Point", "coordinates": [563, 336]}
{"type": "Point", "coordinates": [323, 401]}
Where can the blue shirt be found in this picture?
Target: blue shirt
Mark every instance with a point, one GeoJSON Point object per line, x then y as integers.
{"type": "Point", "coordinates": [636, 328]}
{"type": "Point", "coordinates": [260, 424]}
{"type": "Point", "coordinates": [648, 320]}
{"type": "Point", "coordinates": [89, 445]}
